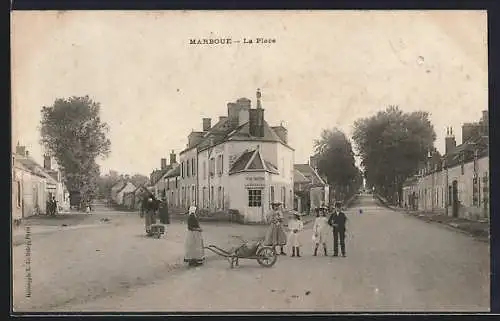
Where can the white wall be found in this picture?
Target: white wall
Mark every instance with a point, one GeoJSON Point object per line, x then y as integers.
{"type": "Point", "coordinates": [127, 189]}
{"type": "Point", "coordinates": [187, 185]}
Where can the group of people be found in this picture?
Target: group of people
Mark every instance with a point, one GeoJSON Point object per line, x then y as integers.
{"type": "Point", "coordinates": [276, 235]}
{"type": "Point", "coordinates": [51, 206]}
{"type": "Point", "coordinates": [153, 208]}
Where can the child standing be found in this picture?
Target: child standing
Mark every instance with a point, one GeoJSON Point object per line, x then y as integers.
{"type": "Point", "coordinates": [295, 226]}
{"type": "Point", "coordinates": [320, 229]}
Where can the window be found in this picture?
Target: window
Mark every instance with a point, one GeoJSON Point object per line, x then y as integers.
{"type": "Point", "coordinates": [19, 198]}
{"type": "Point", "coordinates": [188, 168]}
{"type": "Point", "coordinates": [176, 182]}
{"type": "Point", "coordinates": [183, 196]}
{"type": "Point", "coordinates": [204, 197]}
{"type": "Point", "coordinates": [271, 196]}
{"type": "Point", "coordinates": [193, 194]}
{"type": "Point", "coordinates": [193, 167]}
{"type": "Point", "coordinates": [204, 170]}
{"type": "Point", "coordinates": [220, 165]}
{"type": "Point", "coordinates": [283, 196]}
{"type": "Point", "coordinates": [211, 170]}
{"type": "Point", "coordinates": [182, 169]}
{"type": "Point", "coordinates": [254, 198]}
{"type": "Point", "coordinates": [219, 194]}
{"type": "Point", "coordinates": [211, 196]}
{"type": "Point", "coordinates": [223, 204]}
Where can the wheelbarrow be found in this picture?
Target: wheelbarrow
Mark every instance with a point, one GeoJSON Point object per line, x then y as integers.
{"type": "Point", "coordinates": [266, 256]}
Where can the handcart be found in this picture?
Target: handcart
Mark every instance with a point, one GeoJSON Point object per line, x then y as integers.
{"type": "Point", "coordinates": [266, 256]}
{"type": "Point", "coordinates": [156, 230]}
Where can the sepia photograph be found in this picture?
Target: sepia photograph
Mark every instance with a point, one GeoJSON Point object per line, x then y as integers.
{"type": "Point", "coordinates": [250, 161]}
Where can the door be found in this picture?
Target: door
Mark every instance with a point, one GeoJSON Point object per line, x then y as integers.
{"type": "Point", "coordinates": [454, 192]}
{"type": "Point", "coordinates": [255, 210]}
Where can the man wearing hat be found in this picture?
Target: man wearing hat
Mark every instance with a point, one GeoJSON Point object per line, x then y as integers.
{"type": "Point", "coordinates": [276, 235]}
{"type": "Point", "coordinates": [338, 221]}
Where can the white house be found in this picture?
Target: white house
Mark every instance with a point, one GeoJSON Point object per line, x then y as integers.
{"type": "Point", "coordinates": [128, 187]}
{"type": "Point", "coordinates": [240, 163]}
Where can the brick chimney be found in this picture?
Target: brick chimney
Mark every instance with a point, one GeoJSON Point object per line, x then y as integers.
{"type": "Point", "coordinates": [163, 163]}
{"type": "Point", "coordinates": [207, 124]}
{"type": "Point", "coordinates": [172, 158]}
{"type": "Point", "coordinates": [450, 142]}
{"type": "Point", "coordinates": [194, 138]}
{"type": "Point", "coordinates": [47, 162]}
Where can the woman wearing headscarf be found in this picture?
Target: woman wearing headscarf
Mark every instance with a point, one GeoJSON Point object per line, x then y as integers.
{"type": "Point", "coordinates": [195, 253]}
{"type": "Point", "coordinates": [276, 235]}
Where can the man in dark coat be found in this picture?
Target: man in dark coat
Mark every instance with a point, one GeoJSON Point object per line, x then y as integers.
{"type": "Point", "coordinates": [338, 221]}
{"type": "Point", "coordinates": [149, 207]}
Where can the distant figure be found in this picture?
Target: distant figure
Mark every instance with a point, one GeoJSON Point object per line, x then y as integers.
{"type": "Point", "coordinates": [163, 212]}
{"type": "Point", "coordinates": [338, 221]}
{"type": "Point", "coordinates": [360, 211]}
{"type": "Point", "coordinates": [53, 206]}
{"type": "Point", "coordinates": [149, 209]}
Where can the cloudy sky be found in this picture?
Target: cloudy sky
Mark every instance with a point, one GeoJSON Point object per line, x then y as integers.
{"type": "Point", "coordinates": [326, 69]}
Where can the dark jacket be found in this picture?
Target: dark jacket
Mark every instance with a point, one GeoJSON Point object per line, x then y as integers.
{"type": "Point", "coordinates": [164, 216]}
{"type": "Point", "coordinates": [339, 219]}
{"type": "Point", "coordinates": [192, 223]}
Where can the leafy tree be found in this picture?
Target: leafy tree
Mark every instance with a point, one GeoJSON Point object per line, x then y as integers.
{"type": "Point", "coordinates": [73, 133]}
{"type": "Point", "coordinates": [392, 144]}
{"type": "Point", "coordinates": [336, 162]}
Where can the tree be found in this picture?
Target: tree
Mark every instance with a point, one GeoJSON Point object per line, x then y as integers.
{"type": "Point", "coordinates": [392, 144]}
{"type": "Point", "coordinates": [336, 161]}
{"type": "Point", "coordinates": [73, 133]}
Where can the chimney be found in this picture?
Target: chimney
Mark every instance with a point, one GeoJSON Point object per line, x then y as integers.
{"type": "Point", "coordinates": [47, 162]}
{"type": "Point", "coordinates": [259, 125]}
{"type": "Point", "coordinates": [207, 124]}
{"type": "Point", "coordinates": [282, 133]}
{"type": "Point", "coordinates": [469, 131]}
{"type": "Point", "coordinates": [244, 116]}
{"type": "Point", "coordinates": [233, 113]}
{"type": "Point", "coordinates": [20, 150]}
{"type": "Point", "coordinates": [450, 142]}
{"type": "Point", "coordinates": [163, 163]}
{"type": "Point", "coordinates": [172, 158]}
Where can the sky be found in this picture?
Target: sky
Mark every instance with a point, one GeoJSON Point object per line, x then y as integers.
{"type": "Point", "coordinates": [326, 69]}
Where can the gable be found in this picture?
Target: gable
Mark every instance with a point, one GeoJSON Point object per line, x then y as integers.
{"type": "Point", "coordinates": [256, 163]}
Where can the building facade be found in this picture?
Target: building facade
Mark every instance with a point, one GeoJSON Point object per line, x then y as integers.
{"type": "Point", "coordinates": [240, 163]}
{"type": "Point", "coordinates": [457, 183]}
{"type": "Point", "coordinates": [310, 189]}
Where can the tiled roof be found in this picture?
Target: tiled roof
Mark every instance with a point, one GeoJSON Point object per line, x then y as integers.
{"type": "Point", "coordinates": [34, 168]}
{"type": "Point", "coordinates": [175, 171]}
{"type": "Point", "coordinates": [298, 177]}
{"type": "Point", "coordinates": [252, 161]}
{"type": "Point", "coordinates": [310, 173]}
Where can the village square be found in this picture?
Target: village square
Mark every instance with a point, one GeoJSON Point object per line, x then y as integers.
{"type": "Point", "coordinates": [254, 185]}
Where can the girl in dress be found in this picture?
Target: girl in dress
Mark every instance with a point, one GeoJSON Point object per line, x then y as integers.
{"type": "Point", "coordinates": [320, 230]}
{"type": "Point", "coordinates": [276, 235]}
{"type": "Point", "coordinates": [195, 252]}
{"type": "Point", "coordinates": [295, 226]}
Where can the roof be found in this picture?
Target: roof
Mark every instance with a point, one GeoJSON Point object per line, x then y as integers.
{"type": "Point", "coordinates": [118, 186]}
{"type": "Point", "coordinates": [33, 167]}
{"type": "Point", "coordinates": [308, 172]}
{"type": "Point", "coordinates": [222, 132]}
{"type": "Point", "coordinates": [252, 161]}
{"type": "Point", "coordinates": [125, 185]}
{"type": "Point", "coordinates": [298, 177]}
{"type": "Point", "coordinates": [158, 174]}
{"type": "Point", "coordinates": [173, 172]}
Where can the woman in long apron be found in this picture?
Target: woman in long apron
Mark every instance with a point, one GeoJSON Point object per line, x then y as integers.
{"type": "Point", "coordinates": [276, 235]}
{"type": "Point", "coordinates": [195, 253]}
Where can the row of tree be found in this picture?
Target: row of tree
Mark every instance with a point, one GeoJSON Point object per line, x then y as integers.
{"type": "Point", "coordinates": [391, 144]}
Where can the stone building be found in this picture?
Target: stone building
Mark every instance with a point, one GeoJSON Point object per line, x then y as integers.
{"type": "Point", "coordinates": [239, 163]}
{"type": "Point", "coordinates": [457, 183]}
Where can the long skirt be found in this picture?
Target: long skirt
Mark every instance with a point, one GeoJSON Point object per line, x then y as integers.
{"type": "Point", "coordinates": [149, 218]}
{"type": "Point", "coordinates": [275, 235]}
{"type": "Point", "coordinates": [294, 239]}
{"type": "Point", "coordinates": [194, 247]}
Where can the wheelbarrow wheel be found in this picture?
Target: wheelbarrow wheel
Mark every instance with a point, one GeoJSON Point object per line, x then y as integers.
{"type": "Point", "coordinates": [266, 256]}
